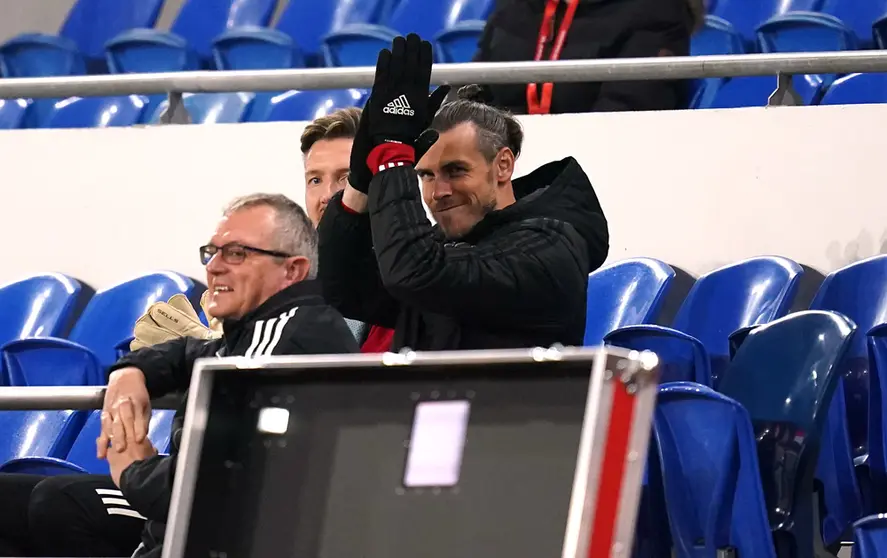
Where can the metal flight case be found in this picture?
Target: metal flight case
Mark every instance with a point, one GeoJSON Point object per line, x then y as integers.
{"type": "Point", "coordinates": [532, 453]}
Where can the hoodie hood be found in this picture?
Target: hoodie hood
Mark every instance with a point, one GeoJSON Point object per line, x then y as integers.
{"type": "Point", "coordinates": [558, 190]}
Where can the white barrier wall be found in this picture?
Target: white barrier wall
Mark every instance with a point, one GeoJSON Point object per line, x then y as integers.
{"type": "Point", "coordinates": [695, 188]}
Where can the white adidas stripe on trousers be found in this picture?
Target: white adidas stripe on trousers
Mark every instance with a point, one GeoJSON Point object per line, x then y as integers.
{"type": "Point", "coordinates": [267, 334]}
{"type": "Point", "coordinates": [116, 504]}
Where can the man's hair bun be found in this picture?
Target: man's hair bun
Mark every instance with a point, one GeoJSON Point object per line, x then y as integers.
{"type": "Point", "coordinates": [475, 93]}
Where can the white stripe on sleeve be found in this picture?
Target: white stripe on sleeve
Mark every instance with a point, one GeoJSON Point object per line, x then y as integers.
{"type": "Point", "coordinates": [278, 331]}
{"type": "Point", "coordinates": [257, 336]}
{"type": "Point", "coordinates": [126, 512]}
{"type": "Point", "coordinates": [267, 334]}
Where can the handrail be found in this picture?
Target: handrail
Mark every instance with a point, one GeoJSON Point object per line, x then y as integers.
{"type": "Point", "coordinates": [47, 398]}
{"type": "Point", "coordinates": [627, 69]}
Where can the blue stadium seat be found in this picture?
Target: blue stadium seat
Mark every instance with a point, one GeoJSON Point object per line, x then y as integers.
{"type": "Point", "coordinates": [97, 112]}
{"type": "Point", "coordinates": [625, 293]}
{"type": "Point", "coordinates": [856, 89]}
{"type": "Point", "coordinates": [755, 91]}
{"type": "Point", "coordinates": [870, 537]}
{"type": "Point", "coordinates": [82, 458]}
{"type": "Point", "coordinates": [12, 113]}
{"type": "Point", "coordinates": [858, 291]}
{"type": "Point", "coordinates": [876, 491]}
{"type": "Point", "coordinates": [303, 105]}
{"type": "Point", "coordinates": [296, 39]}
{"type": "Point", "coordinates": [356, 45]}
{"type": "Point", "coordinates": [716, 37]}
{"type": "Point", "coordinates": [459, 43]}
{"type": "Point", "coordinates": [38, 433]}
{"type": "Point", "coordinates": [37, 306]}
{"type": "Point", "coordinates": [210, 108]}
{"type": "Point", "coordinates": [785, 374]}
{"type": "Point", "coordinates": [710, 474]}
{"type": "Point", "coordinates": [81, 42]}
{"type": "Point", "coordinates": [852, 20]}
{"type": "Point", "coordinates": [696, 347]}
{"type": "Point", "coordinates": [805, 32]}
{"type": "Point", "coordinates": [188, 45]}
{"type": "Point", "coordinates": [745, 16]}
{"type": "Point", "coordinates": [427, 19]}
{"type": "Point", "coordinates": [106, 321]}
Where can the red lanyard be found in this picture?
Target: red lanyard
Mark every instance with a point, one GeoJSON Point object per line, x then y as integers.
{"type": "Point", "coordinates": [534, 104]}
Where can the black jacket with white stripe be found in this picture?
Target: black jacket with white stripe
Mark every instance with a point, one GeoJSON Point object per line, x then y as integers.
{"type": "Point", "coordinates": [517, 279]}
{"type": "Point", "coordinates": [292, 322]}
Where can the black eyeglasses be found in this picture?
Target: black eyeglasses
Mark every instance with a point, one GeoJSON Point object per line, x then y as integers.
{"type": "Point", "coordinates": [235, 253]}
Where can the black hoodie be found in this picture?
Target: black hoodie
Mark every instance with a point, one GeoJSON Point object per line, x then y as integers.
{"type": "Point", "coordinates": [292, 322]}
{"type": "Point", "coordinates": [517, 279]}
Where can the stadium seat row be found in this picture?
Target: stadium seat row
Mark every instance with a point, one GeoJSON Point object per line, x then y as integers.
{"type": "Point", "coordinates": [802, 384]}
{"type": "Point", "coordinates": [117, 36]}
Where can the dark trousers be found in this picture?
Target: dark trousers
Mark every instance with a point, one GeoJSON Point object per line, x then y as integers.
{"type": "Point", "coordinates": [68, 515]}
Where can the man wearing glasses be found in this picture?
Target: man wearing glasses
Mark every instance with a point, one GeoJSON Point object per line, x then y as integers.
{"type": "Point", "coordinates": [259, 269]}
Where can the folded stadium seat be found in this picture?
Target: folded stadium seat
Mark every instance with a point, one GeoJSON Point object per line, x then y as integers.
{"type": "Point", "coordinates": [858, 291]}
{"type": "Point", "coordinates": [38, 433]}
{"type": "Point", "coordinates": [710, 474]}
{"type": "Point", "coordinates": [874, 484]}
{"type": "Point", "coordinates": [755, 91]}
{"type": "Point", "coordinates": [188, 45]}
{"type": "Point", "coordinates": [853, 21]}
{"type": "Point", "coordinates": [870, 537]}
{"type": "Point", "coordinates": [717, 37]}
{"type": "Point", "coordinates": [623, 293]}
{"type": "Point", "coordinates": [856, 89]}
{"type": "Point", "coordinates": [303, 105]}
{"type": "Point", "coordinates": [97, 112]}
{"type": "Point", "coordinates": [459, 43]}
{"type": "Point", "coordinates": [879, 30]}
{"type": "Point", "coordinates": [80, 45]}
{"type": "Point", "coordinates": [37, 306]}
{"type": "Point", "coordinates": [296, 39]}
{"type": "Point", "coordinates": [356, 45]}
{"type": "Point", "coordinates": [12, 113]}
{"type": "Point", "coordinates": [108, 319]}
{"type": "Point", "coordinates": [209, 108]}
{"type": "Point", "coordinates": [746, 15]}
{"type": "Point", "coordinates": [696, 347]}
{"type": "Point", "coordinates": [455, 25]}
{"type": "Point", "coordinates": [786, 374]}
{"type": "Point", "coordinates": [81, 458]}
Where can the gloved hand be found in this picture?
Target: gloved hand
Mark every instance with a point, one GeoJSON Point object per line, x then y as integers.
{"type": "Point", "coordinates": [176, 318]}
{"type": "Point", "coordinates": [399, 108]}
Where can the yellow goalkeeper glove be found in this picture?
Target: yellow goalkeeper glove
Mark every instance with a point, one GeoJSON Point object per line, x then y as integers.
{"type": "Point", "coordinates": [169, 320]}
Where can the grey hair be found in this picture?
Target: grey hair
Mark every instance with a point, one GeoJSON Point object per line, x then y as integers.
{"type": "Point", "coordinates": [295, 233]}
{"type": "Point", "coordinates": [495, 128]}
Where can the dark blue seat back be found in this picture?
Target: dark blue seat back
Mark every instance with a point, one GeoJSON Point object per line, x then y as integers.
{"type": "Point", "coordinates": [624, 293]}
{"type": "Point", "coordinates": [111, 314]}
{"type": "Point", "coordinates": [859, 291]}
{"type": "Point", "coordinates": [92, 23]}
{"type": "Point", "coordinates": [309, 21]}
{"type": "Point", "coordinates": [201, 21]}
{"type": "Point", "coordinates": [38, 433]}
{"type": "Point", "coordinates": [857, 89]}
{"type": "Point", "coordinates": [746, 16]}
{"type": "Point", "coordinates": [82, 452]}
{"type": "Point", "coordinates": [749, 292]}
{"type": "Point", "coordinates": [209, 108]}
{"type": "Point", "coordinates": [12, 113]}
{"type": "Point", "coordinates": [785, 374]}
{"type": "Point", "coordinates": [97, 112]}
{"type": "Point", "coordinates": [870, 537]}
{"type": "Point", "coordinates": [877, 436]}
{"type": "Point", "coordinates": [304, 105]}
{"type": "Point", "coordinates": [710, 475]}
{"type": "Point", "coordinates": [755, 91]}
{"type": "Point", "coordinates": [427, 19]}
{"type": "Point", "coordinates": [37, 306]}
{"type": "Point", "coordinates": [857, 16]}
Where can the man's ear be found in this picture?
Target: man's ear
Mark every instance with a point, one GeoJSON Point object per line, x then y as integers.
{"type": "Point", "coordinates": [297, 269]}
{"type": "Point", "coordinates": [504, 165]}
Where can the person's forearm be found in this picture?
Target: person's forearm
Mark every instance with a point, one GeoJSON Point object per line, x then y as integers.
{"type": "Point", "coordinates": [354, 200]}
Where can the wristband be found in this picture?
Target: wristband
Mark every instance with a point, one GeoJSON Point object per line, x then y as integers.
{"type": "Point", "coordinates": [389, 155]}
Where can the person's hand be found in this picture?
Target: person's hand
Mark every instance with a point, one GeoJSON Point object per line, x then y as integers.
{"type": "Point", "coordinates": [169, 320]}
{"type": "Point", "coordinates": [400, 109]}
{"type": "Point", "coordinates": [126, 411]}
{"type": "Point", "coordinates": [120, 459]}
